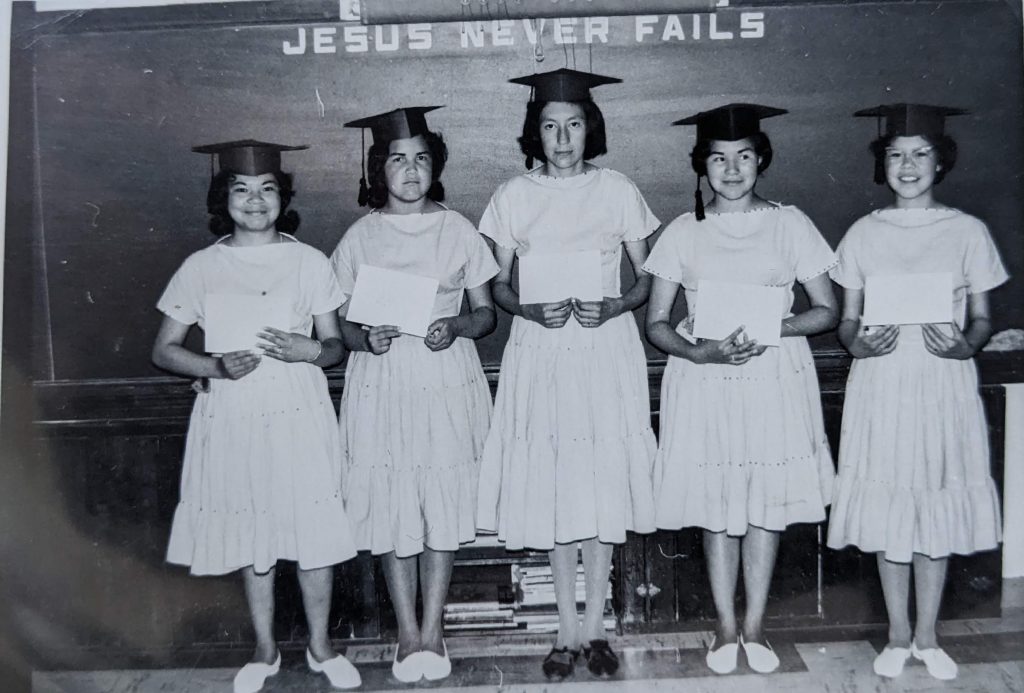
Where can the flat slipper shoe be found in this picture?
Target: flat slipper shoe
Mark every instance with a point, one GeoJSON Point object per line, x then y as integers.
{"type": "Point", "coordinates": [253, 675]}
{"type": "Point", "coordinates": [434, 666]}
{"type": "Point", "coordinates": [889, 662]}
{"type": "Point", "coordinates": [601, 660]}
{"type": "Point", "coordinates": [761, 658]}
{"type": "Point", "coordinates": [722, 660]}
{"type": "Point", "coordinates": [338, 670]}
{"type": "Point", "coordinates": [408, 670]}
{"type": "Point", "coordinates": [560, 662]}
{"type": "Point", "coordinates": [939, 664]}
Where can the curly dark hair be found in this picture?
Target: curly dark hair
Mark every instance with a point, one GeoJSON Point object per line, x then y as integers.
{"type": "Point", "coordinates": [702, 150]}
{"type": "Point", "coordinates": [378, 156]}
{"type": "Point", "coordinates": [221, 223]}
{"type": "Point", "coordinates": [530, 143]}
{"type": "Point", "coordinates": [945, 147]}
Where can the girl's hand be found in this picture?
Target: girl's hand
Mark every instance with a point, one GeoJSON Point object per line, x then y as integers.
{"type": "Point", "coordinates": [549, 315]}
{"type": "Point", "coordinates": [236, 364]}
{"type": "Point", "coordinates": [378, 338]}
{"type": "Point", "coordinates": [878, 342]}
{"type": "Point", "coordinates": [944, 345]}
{"type": "Point", "coordinates": [289, 347]}
{"type": "Point", "coordinates": [729, 350]}
{"type": "Point", "coordinates": [596, 313]}
{"type": "Point", "coordinates": [440, 334]}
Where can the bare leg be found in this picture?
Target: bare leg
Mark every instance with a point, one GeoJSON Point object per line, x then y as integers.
{"type": "Point", "coordinates": [259, 592]}
{"type": "Point", "coordinates": [400, 574]}
{"type": "Point", "coordinates": [435, 573]}
{"type": "Point", "coordinates": [316, 599]}
{"type": "Point", "coordinates": [760, 547]}
{"type": "Point", "coordinates": [597, 563]}
{"type": "Point", "coordinates": [929, 580]}
{"type": "Point", "coordinates": [722, 554]}
{"type": "Point", "coordinates": [896, 590]}
{"type": "Point", "coordinates": [563, 559]}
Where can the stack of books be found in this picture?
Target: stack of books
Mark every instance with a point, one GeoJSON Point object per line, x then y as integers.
{"type": "Point", "coordinates": [480, 599]}
{"type": "Point", "coordinates": [535, 609]}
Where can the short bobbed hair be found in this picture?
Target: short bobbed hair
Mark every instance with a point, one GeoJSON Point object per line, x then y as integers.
{"type": "Point", "coordinates": [702, 150]}
{"type": "Point", "coordinates": [945, 147]}
{"type": "Point", "coordinates": [221, 223]}
{"type": "Point", "coordinates": [530, 143]}
{"type": "Point", "coordinates": [378, 156]}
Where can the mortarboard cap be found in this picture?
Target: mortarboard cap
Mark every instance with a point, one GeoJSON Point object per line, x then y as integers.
{"type": "Point", "coordinates": [563, 84]}
{"type": "Point", "coordinates": [731, 122]}
{"type": "Point", "coordinates": [399, 124]}
{"type": "Point", "coordinates": [248, 157]}
{"type": "Point", "coordinates": [909, 119]}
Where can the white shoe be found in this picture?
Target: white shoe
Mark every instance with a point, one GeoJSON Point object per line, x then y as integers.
{"type": "Point", "coordinates": [939, 664]}
{"type": "Point", "coordinates": [761, 658]}
{"type": "Point", "coordinates": [722, 660]}
{"type": "Point", "coordinates": [890, 661]}
{"type": "Point", "coordinates": [434, 666]}
{"type": "Point", "coordinates": [253, 675]}
{"type": "Point", "coordinates": [339, 671]}
{"type": "Point", "coordinates": [409, 669]}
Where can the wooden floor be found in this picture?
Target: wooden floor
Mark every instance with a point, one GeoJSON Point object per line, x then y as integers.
{"type": "Point", "coordinates": [990, 653]}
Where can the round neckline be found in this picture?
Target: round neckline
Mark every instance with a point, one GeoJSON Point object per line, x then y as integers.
{"type": "Point", "coordinates": [577, 181]}
{"type": "Point", "coordinates": [285, 239]}
{"type": "Point", "coordinates": [915, 216]}
{"type": "Point", "coordinates": [392, 215]}
{"type": "Point", "coordinates": [772, 207]}
{"type": "Point", "coordinates": [910, 210]}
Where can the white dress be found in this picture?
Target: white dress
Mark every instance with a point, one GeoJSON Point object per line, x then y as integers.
{"type": "Point", "coordinates": [914, 461]}
{"type": "Point", "coordinates": [413, 420]}
{"type": "Point", "coordinates": [262, 473]}
{"type": "Point", "coordinates": [742, 445]}
{"type": "Point", "coordinates": [569, 453]}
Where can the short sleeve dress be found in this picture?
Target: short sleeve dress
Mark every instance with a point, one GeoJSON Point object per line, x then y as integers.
{"type": "Point", "coordinates": [261, 479]}
{"type": "Point", "coordinates": [914, 456]}
{"type": "Point", "coordinates": [569, 453]}
{"type": "Point", "coordinates": [742, 445]}
{"type": "Point", "coordinates": [413, 420]}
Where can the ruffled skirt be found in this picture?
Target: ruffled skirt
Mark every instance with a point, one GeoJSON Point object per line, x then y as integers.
{"type": "Point", "coordinates": [261, 479]}
{"type": "Point", "coordinates": [413, 423]}
{"type": "Point", "coordinates": [569, 454]}
{"type": "Point", "coordinates": [743, 445]}
{"type": "Point", "coordinates": [914, 463]}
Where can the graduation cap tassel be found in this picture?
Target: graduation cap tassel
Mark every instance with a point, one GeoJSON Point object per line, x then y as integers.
{"type": "Point", "coordinates": [364, 191]}
{"type": "Point", "coordinates": [698, 202]}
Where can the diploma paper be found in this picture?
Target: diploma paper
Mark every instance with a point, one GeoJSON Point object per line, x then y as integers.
{"type": "Point", "coordinates": [553, 277]}
{"type": "Point", "coordinates": [724, 306]}
{"type": "Point", "coordinates": [908, 299]}
{"type": "Point", "coordinates": [388, 297]}
{"type": "Point", "coordinates": [232, 320]}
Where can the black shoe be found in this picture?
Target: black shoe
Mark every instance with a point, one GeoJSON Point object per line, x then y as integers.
{"type": "Point", "coordinates": [601, 661]}
{"type": "Point", "coordinates": [560, 662]}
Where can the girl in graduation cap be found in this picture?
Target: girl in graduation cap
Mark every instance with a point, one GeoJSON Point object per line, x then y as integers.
{"type": "Point", "coordinates": [914, 483]}
{"type": "Point", "coordinates": [415, 410]}
{"type": "Point", "coordinates": [742, 451]}
{"type": "Point", "coordinates": [568, 457]}
{"type": "Point", "coordinates": [262, 473]}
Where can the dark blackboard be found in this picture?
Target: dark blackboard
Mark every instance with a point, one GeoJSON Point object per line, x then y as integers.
{"type": "Point", "coordinates": [120, 198]}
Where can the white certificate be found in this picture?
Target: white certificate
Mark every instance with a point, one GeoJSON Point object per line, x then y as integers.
{"type": "Point", "coordinates": [908, 299]}
{"type": "Point", "coordinates": [553, 277]}
{"type": "Point", "coordinates": [232, 320]}
{"type": "Point", "coordinates": [724, 306]}
{"type": "Point", "coordinates": [388, 297]}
